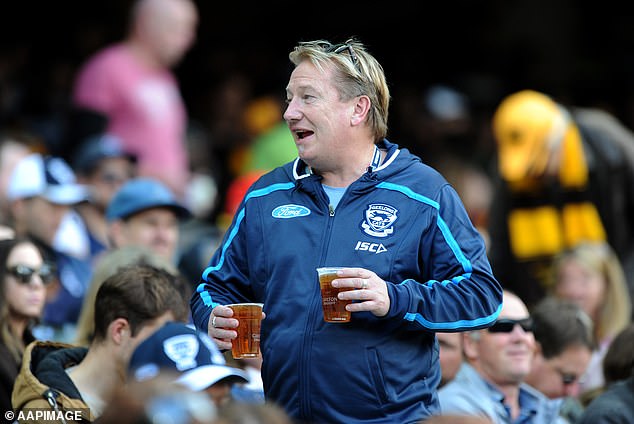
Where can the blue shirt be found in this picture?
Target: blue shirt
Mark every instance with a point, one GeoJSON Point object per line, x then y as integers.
{"type": "Point", "coordinates": [469, 394]}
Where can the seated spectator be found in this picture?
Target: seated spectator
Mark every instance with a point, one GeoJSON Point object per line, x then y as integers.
{"type": "Point", "coordinates": [617, 363]}
{"type": "Point", "coordinates": [107, 265]}
{"type": "Point", "coordinates": [450, 355]}
{"type": "Point", "coordinates": [23, 277]}
{"type": "Point", "coordinates": [490, 382]}
{"type": "Point", "coordinates": [41, 192]}
{"type": "Point", "coordinates": [614, 406]}
{"type": "Point", "coordinates": [102, 164]}
{"type": "Point", "coordinates": [130, 306]}
{"type": "Point", "coordinates": [564, 344]}
{"type": "Point", "coordinates": [191, 356]}
{"type": "Point", "coordinates": [144, 212]}
{"type": "Point", "coordinates": [619, 359]}
{"type": "Point", "coordinates": [158, 401]}
{"type": "Point", "coordinates": [592, 276]}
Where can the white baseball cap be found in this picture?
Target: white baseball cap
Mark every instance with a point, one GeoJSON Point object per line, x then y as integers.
{"type": "Point", "coordinates": [46, 176]}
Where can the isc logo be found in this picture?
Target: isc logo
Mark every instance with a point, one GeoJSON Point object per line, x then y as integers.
{"type": "Point", "coordinates": [370, 247]}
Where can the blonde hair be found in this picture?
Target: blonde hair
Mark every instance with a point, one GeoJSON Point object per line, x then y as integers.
{"type": "Point", "coordinates": [107, 266]}
{"type": "Point", "coordinates": [358, 73]}
{"type": "Point", "coordinates": [616, 310]}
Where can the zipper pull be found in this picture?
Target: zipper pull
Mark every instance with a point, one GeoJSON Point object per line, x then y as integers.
{"type": "Point", "coordinates": [331, 210]}
{"type": "Point", "coordinates": [51, 398]}
{"type": "Point", "coordinates": [49, 395]}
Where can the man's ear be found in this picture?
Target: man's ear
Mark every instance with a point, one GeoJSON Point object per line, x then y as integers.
{"type": "Point", "coordinates": [119, 330]}
{"type": "Point", "coordinates": [362, 107]}
{"type": "Point", "coordinates": [538, 349]}
{"type": "Point", "coordinates": [470, 341]}
{"type": "Point", "coordinates": [116, 233]}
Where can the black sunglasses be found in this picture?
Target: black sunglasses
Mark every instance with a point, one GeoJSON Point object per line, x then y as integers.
{"type": "Point", "coordinates": [566, 378]}
{"type": "Point", "coordinates": [339, 48]}
{"type": "Point", "coordinates": [506, 325]}
{"type": "Point", "coordinates": [24, 273]}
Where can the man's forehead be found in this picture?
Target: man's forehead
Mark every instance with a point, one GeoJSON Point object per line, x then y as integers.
{"type": "Point", "coordinates": [513, 307]}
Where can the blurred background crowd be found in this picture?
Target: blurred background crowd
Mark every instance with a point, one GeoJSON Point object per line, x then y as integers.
{"type": "Point", "coordinates": [578, 52]}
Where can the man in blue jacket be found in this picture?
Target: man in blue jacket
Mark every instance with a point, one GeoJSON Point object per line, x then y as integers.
{"type": "Point", "coordinates": [350, 199]}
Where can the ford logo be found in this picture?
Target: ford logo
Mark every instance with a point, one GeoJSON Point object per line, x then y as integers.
{"type": "Point", "coordinates": [290, 211]}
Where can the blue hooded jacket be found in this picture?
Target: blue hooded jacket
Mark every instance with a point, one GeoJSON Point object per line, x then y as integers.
{"type": "Point", "coordinates": [403, 221]}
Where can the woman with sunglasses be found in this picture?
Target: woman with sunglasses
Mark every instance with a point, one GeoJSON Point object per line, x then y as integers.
{"type": "Point", "coordinates": [23, 276]}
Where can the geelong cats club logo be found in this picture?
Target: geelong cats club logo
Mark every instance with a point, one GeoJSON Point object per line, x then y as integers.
{"type": "Point", "coordinates": [379, 219]}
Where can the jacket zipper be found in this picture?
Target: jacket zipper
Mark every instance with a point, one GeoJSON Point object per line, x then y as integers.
{"type": "Point", "coordinates": [304, 382]}
{"type": "Point", "coordinates": [50, 397]}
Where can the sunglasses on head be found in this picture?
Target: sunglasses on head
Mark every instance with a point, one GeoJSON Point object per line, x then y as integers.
{"type": "Point", "coordinates": [24, 273]}
{"type": "Point", "coordinates": [341, 48]}
{"type": "Point", "coordinates": [505, 325]}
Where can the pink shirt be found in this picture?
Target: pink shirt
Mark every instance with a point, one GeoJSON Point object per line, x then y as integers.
{"type": "Point", "coordinates": [144, 107]}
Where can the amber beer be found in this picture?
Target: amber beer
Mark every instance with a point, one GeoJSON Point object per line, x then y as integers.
{"type": "Point", "coordinates": [247, 344]}
{"type": "Point", "coordinates": [334, 309]}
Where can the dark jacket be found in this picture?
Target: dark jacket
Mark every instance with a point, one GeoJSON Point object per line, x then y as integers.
{"type": "Point", "coordinates": [401, 220]}
{"type": "Point", "coordinates": [9, 368]}
{"type": "Point", "coordinates": [614, 406]}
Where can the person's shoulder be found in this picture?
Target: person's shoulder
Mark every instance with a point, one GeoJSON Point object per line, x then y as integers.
{"type": "Point", "coordinates": [8, 366]}
{"type": "Point", "coordinates": [620, 393]}
{"type": "Point", "coordinates": [114, 50]}
{"type": "Point", "coordinates": [108, 59]}
{"type": "Point", "coordinates": [281, 174]}
{"type": "Point", "coordinates": [41, 353]}
{"type": "Point", "coordinates": [615, 404]}
{"type": "Point", "coordinates": [28, 390]}
{"type": "Point", "coordinates": [462, 384]}
{"type": "Point", "coordinates": [460, 397]}
{"type": "Point", "coordinates": [415, 173]}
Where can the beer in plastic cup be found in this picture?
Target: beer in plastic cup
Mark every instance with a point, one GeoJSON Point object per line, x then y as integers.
{"type": "Point", "coordinates": [334, 308]}
{"type": "Point", "coordinates": [249, 316]}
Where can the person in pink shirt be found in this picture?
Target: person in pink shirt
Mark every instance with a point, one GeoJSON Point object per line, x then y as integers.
{"type": "Point", "coordinates": [132, 84]}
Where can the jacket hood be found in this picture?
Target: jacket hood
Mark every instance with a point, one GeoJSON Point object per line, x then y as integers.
{"type": "Point", "coordinates": [43, 368]}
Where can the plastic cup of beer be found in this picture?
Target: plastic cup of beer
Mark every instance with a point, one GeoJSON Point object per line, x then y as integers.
{"type": "Point", "coordinates": [334, 308]}
{"type": "Point", "coordinates": [249, 316]}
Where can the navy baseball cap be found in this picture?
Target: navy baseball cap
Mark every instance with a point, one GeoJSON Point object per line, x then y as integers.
{"type": "Point", "coordinates": [189, 354]}
{"type": "Point", "coordinates": [139, 194]}
{"type": "Point", "coordinates": [96, 148]}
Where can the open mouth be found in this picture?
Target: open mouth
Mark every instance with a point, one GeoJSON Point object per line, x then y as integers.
{"type": "Point", "coordinates": [303, 134]}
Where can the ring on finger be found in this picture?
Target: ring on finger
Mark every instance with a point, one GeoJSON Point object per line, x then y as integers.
{"type": "Point", "coordinates": [213, 322]}
{"type": "Point", "coordinates": [364, 285]}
